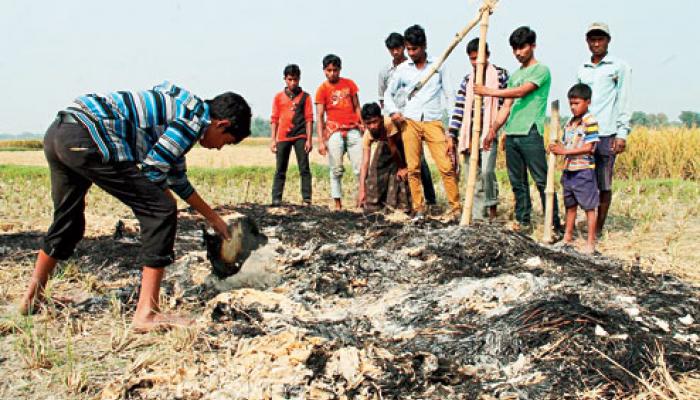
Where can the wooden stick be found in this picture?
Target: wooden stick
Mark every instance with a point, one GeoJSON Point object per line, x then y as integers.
{"type": "Point", "coordinates": [551, 166]}
{"type": "Point", "coordinates": [488, 7]}
{"type": "Point", "coordinates": [475, 147]}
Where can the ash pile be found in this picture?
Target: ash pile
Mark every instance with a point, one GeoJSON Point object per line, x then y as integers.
{"type": "Point", "coordinates": [368, 308]}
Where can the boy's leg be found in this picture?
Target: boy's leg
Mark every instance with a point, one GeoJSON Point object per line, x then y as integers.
{"type": "Point", "coordinates": [68, 190]}
{"type": "Point", "coordinates": [536, 159]}
{"type": "Point", "coordinates": [156, 212]}
{"type": "Point", "coordinates": [570, 221]}
{"type": "Point", "coordinates": [604, 166]}
{"type": "Point", "coordinates": [353, 147]}
{"type": "Point", "coordinates": [304, 169]}
{"type": "Point", "coordinates": [592, 220]}
{"type": "Point", "coordinates": [426, 179]}
{"type": "Point", "coordinates": [336, 147]}
{"type": "Point", "coordinates": [437, 144]}
{"type": "Point", "coordinates": [479, 205]}
{"type": "Point", "coordinates": [517, 175]}
{"type": "Point", "coordinates": [282, 162]}
{"type": "Point", "coordinates": [412, 144]}
{"type": "Point", "coordinates": [488, 176]}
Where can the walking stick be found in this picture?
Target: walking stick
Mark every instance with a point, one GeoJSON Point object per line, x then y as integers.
{"type": "Point", "coordinates": [551, 165]}
{"type": "Point", "coordinates": [488, 7]}
{"type": "Point", "coordinates": [474, 147]}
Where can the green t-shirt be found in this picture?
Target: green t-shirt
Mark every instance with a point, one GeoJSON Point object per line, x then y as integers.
{"type": "Point", "coordinates": [532, 108]}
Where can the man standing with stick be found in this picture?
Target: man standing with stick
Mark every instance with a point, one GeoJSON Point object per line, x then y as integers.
{"type": "Point", "coordinates": [486, 194]}
{"type": "Point", "coordinates": [421, 120]}
{"type": "Point", "coordinates": [395, 45]}
{"type": "Point", "coordinates": [609, 77]}
{"type": "Point", "coordinates": [523, 114]}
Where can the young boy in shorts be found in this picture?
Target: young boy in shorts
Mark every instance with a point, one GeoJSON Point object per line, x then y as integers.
{"type": "Point", "coordinates": [579, 178]}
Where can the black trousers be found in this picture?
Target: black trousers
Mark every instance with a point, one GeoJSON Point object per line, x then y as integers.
{"type": "Point", "coordinates": [284, 149]}
{"type": "Point", "coordinates": [525, 153]}
{"type": "Point", "coordinates": [427, 181]}
{"type": "Point", "coordinates": [75, 164]}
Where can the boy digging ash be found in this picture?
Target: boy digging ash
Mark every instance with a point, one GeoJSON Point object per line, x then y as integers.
{"type": "Point", "coordinates": [291, 127]}
{"type": "Point", "coordinates": [579, 179]}
{"type": "Point", "coordinates": [133, 146]}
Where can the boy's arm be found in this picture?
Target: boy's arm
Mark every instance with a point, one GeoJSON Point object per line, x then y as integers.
{"type": "Point", "coordinates": [361, 195]}
{"type": "Point", "coordinates": [273, 136]}
{"type": "Point", "coordinates": [393, 144]}
{"type": "Point", "coordinates": [458, 111]}
{"type": "Point", "coordinates": [320, 127]}
{"type": "Point", "coordinates": [586, 148]}
{"type": "Point", "coordinates": [623, 109]}
{"type": "Point", "coordinates": [274, 120]}
{"type": "Point", "coordinates": [309, 117]}
{"type": "Point", "coordinates": [358, 109]}
{"type": "Point", "coordinates": [509, 93]}
{"type": "Point", "coordinates": [212, 217]}
{"type": "Point", "coordinates": [501, 118]}
{"type": "Point", "coordinates": [389, 104]}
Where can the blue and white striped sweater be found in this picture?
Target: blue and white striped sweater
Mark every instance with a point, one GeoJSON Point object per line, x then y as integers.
{"type": "Point", "coordinates": [155, 128]}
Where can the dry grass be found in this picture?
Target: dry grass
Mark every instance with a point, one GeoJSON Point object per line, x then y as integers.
{"type": "Point", "coordinates": [672, 153]}
{"type": "Point", "coordinates": [14, 145]}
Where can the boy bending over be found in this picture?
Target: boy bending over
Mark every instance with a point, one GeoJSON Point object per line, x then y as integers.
{"type": "Point", "coordinates": [132, 145]}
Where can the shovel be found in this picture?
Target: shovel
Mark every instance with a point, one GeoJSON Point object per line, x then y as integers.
{"type": "Point", "coordinates": [227, 256]}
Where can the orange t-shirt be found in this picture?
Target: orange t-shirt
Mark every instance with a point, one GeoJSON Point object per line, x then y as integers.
{"type": "Point", "coordinates": [290, 118]}
{"type": "Point", "coordinates": [337, 98]}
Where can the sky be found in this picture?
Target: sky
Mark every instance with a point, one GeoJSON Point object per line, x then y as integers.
{"type": "Point", "coordinates": [53, 51]}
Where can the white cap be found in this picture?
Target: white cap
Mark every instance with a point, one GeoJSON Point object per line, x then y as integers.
{"type": "Point", "coordinates": [599, 26]}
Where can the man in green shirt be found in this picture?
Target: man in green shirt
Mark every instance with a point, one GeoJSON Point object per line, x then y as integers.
{"type": "Point", "coordinates": [523, 114]}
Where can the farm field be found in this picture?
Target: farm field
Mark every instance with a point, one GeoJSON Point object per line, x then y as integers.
{"type": "Point", "coordinates": [85, 349]}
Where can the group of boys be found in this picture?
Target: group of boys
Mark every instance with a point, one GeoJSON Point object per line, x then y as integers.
{"type": "Point", "coordinates": [400, 123]}
{"type": "Point", "coordinates": [133, 146]}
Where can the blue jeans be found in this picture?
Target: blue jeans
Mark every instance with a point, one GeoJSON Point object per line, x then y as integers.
{"type": "Point", "coordinates": [337, 147]}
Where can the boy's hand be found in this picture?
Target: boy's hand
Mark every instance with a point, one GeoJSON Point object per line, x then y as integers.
{"type": "Point", "coordinates": [273, 147]}
{"type": "Point", "coordinates": [488, 140]}
{"type": "Point", "coordinates": [402, 174]}
{"type": "Point", "coordinates": [450, 147]}
{"type": "Point", "coordinates": [397, 117]}
{"type": "Point", "coordinates": [220, 227]}
{"type": "Point", "coordinates": [555, 148]}
{"type": "Point", "coordinates": [619, 145]}
{"type": "Point", "coordinates": [482, 90]}
{"type": "Point", "coordinates": [322, 149]}
{"type": "Point", "coordinates": [309, 145]}
{"type": "Point", "coordinates": [361, 198]}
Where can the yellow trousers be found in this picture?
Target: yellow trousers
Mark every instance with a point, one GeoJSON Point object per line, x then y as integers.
{"type": "Point", "coordinates": [413, 134]}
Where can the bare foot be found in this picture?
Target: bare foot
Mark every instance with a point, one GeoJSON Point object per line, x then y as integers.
{"type": "Point", "coordinates": [588, 250]}
{"type": "Point", "coordinates": [338, 205]}
{"type": "Point", "coordinates": [159, 322]}
{"type": "Point", "coordinates": [31, 306]}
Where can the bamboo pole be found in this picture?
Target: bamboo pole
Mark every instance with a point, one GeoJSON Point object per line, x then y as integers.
{"type": "Point", "coordinates": [488, 7]}
{"type": "Point", "coordinates": [475, 147]}
{"type": "Point", "coordinates": [549, 191]}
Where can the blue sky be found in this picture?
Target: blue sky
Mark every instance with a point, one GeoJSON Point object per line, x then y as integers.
{"type": "Point", "coordinates": [53, 51]}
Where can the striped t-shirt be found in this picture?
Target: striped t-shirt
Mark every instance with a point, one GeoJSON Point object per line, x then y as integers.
{"type": "Point", "coordinates": [153, 127]}
{"type": "Point", "coordinates": [576, 134]}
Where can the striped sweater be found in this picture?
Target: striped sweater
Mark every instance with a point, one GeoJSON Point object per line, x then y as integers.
{"type": "Point", "coordinates": [154, 128]}
{"type": "Point", "coordinates": [458, 112]}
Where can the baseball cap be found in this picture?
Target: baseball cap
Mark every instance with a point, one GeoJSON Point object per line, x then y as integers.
{"type": "Point", "coordinates": [599, 26]}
